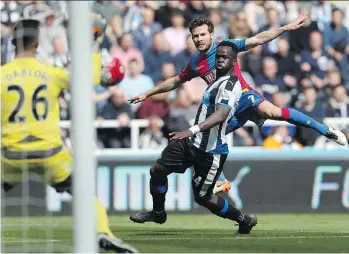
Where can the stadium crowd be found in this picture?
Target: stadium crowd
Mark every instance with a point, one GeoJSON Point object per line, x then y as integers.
{"type": "Point", "coordinates": [307, 69]}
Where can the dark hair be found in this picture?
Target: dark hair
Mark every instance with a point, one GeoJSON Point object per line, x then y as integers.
{"type": "Point", "coordinates": [337, 9]}
{"type": "Point", "coordinates": [194, 23]}
{"type": "Point", "coordinates": [229, 44]}
{"type": "Point", "coordinates": [25, 34]}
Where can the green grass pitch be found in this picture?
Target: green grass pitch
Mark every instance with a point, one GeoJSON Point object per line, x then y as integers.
{"type": "Point", "coordinates": [191, 233]}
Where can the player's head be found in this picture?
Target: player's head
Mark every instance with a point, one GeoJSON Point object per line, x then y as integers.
{"type": "Point", "coordinates": [201, 30]}
{"type": "Point", "coordinates": [26, 35]}
{"type": "Point", "coordinates": [226, 56]}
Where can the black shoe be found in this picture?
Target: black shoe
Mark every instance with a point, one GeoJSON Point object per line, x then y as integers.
{"type": "Point", "coordinates": [109, 243]}
{"type": "Point", "coordinates": [247, 224]}
{"type": "Point", "coordinates": [157, 217]}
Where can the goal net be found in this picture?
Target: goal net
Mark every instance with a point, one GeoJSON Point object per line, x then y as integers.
{"type": "Point", "coordinates": [34, 217]}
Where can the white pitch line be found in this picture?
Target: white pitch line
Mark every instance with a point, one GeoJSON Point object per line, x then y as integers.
{"type": "Point", "coordinates": [192, 238]}
{"type": "Point", "coordinates": [234, 237]}
{"type": "Point", "coordinates": [33, 241]}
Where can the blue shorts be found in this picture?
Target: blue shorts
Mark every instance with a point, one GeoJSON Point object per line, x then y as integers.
{"type": "Point", "coordinates": [246, 111]}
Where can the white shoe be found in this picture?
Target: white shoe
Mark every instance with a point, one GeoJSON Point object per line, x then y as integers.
{"type": "Point", "coordinates": [221, 186]}
{"type": "Point", "coordinates": [337, 136]}
{"type": "Point", "coordinates": [109, 243]}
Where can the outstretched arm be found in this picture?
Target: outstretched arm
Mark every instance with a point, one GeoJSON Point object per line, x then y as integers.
{"type": "Point", "coordinates": [166, 86]}
{"type": "Point", "coordinates": [216, 118]}
{"type": "Point", "coordinates": [273, 33]}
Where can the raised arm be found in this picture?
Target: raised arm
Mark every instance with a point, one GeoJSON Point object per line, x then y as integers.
{"type": "Point", "coordinates": [273, 33]}
{"type": "Point", "coordinates": [166, 86]}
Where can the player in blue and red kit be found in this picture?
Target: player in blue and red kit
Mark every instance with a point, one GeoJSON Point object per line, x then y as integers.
{"type": "Point", "coordinates": [252, 105]}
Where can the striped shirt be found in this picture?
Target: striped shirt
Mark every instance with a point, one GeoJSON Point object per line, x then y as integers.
{"type": "Point", "coordinates": [226, 91]}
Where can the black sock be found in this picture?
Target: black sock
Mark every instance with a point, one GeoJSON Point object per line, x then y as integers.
{"type": "Point", "coordinates": [221, 207]}
{"type": "Point", "coordinates": [158, 190]}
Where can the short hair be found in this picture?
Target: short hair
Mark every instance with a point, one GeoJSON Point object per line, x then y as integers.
{"type": "Point", "coordinates": [229, 44]}
{"type": "Point", "coordinates": [194, 23]}
{"type": "Point", "coordinates": [25, 33]}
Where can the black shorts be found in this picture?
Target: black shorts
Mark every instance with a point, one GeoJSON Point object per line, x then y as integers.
{"type": "Point", "coordinates": [180, 155]}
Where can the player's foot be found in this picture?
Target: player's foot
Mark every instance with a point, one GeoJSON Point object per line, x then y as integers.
{"type": "Point", "coordinates": [157, 217]}
{"type": "Point", "coordinates": [337, 136]}
{"type": "Point", "coordinates": [247, 224]}
{"type": "Point", "coordinates": [114, 244]}
{"type": "Point", "coordinates": [221, 186]}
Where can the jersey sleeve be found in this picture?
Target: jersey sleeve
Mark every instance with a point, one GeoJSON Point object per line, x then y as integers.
{"type": "Point", "coordinates": [63, 75]}
{"type": "Point", "coordinates": [226, 95]}
{"type": "Point", "coordinates": [188, 73]}
{"type": "Point", "coordinates": [239, 43]}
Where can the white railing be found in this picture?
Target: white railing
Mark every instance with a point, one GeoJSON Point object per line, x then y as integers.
{"type": "Point", "coordinates": [136, 124]}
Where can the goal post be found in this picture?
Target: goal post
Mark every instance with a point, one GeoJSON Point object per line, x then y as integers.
{"type": "Point", "coordinates": [84, 226]}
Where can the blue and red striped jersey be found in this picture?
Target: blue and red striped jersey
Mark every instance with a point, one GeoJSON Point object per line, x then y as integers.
{"type": "Point", "coordinates": [203, 65]}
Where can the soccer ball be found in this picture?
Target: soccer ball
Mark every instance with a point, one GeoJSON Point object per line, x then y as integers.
{"type": "Point", "coordinates": [112, 72]}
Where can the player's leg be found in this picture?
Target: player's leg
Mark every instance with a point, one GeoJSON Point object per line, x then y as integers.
{"type": "Point", "coordinates": [236, 122]}
{"type": "Point", "coordinates": [11, 173]}
{"type": "Point", "coordinates": [268, 110]}
{"type": "Point", "coordinates": [59, 169]}
{"type": "Point", "coordinates": [174, 159]}
{"type": "Point", "coordinates": [205, 173]}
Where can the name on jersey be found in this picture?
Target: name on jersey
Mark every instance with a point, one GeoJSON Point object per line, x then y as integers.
{"type": "Point", "coordinates": [27, 73]}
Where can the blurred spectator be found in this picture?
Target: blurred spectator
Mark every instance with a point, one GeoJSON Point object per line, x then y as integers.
{"type": "Point", "coordinates": [126, 51]}
{"type": "Point", "coordinates": [183, 107]}
{"type": "Point", "coordinates": [220, 29]}
{"type": "Point", "coordinates": [336, 41]}
{"type": "Point", "coordinates": [113, 32]}
{"type": "Point", "coordinates": [136, 82]}
{"type": "Point", "coordinates": [299, 39]}
{"type": "Point", "coordinates": [255, 18]}
{"type": "Point", "coordinates": [108, 9]}
{"type": "Point", "coordinates": [59, 57]}
{"type": "Point", "coordinates": [268, 80]}
{"type": "Point", "coordinates": [279, 138]}
{"type": "Point", "coordinates": [195, 9]}
{"type": "Point", "coordinates": [286, 62]}
{"type": "Point", "coordinates": [183, 57]}
{"type": "Point", "coordinates": [49, 31]}
{"type": "Point", "coordinates": [239, 28]}
{"type": "Point", "coordinates": [227, 9]}
{"type": "Point", "coordinates": [133, 15]}
{"type": "Point", "coordinates": [321, 12]}
{"type": "Point", "coordinates": [279, 7]}
{"type": "Point", "coordinates": [119, 109]}
{"type": "Point", "coordinates": [316, 62]}
{"type": "Point", "coordinates": [152, 137]}
{"type": "Point", "coordinates": [338, 103]}
{"type": "Point", "coordinates": [273, 21]}
{"type": "Point", "coordinates": [156, 105]}
{"type": "Point", "coordinates": [10, 14]}
{"type": "Point", "coordinates": [155, 58]}
{"type": "Point", "coordinates": [313, 108]}
{"type": "Point", "coordinates": [336, 36]}
{"type": "Point", "coordinates": [176, 34]}
{"type": "Point", "coordinates": [334, 79]}
{"type": "Point", "coordinates": [252, 61]}
{"type": "Point", "coordinates": [163, 14]}
{"type": "Point", "coordinates": [144, 34]}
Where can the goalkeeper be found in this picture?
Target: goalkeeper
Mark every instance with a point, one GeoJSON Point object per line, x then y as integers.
{"type": "Point", "coordinates": [30, 116]}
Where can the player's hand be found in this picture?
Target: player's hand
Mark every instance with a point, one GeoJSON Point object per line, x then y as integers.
{"type": "Point", "coordinates": [181, 135]}
{"type": "Point", "coordinates": [298, 23]}
{"type": "Point", "coordinates": [138, 98]}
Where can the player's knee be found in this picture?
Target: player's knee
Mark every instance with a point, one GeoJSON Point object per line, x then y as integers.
{"type": "Point", "coordinates": [269, 111]}
{"type": "Point", "coordinates": [201, 200]}
{"type": "Point", "coordinates": [158, 171]}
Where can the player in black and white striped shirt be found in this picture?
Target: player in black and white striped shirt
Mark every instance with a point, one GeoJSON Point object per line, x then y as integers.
{"type": "Point", "coordinates": [204, 147]}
